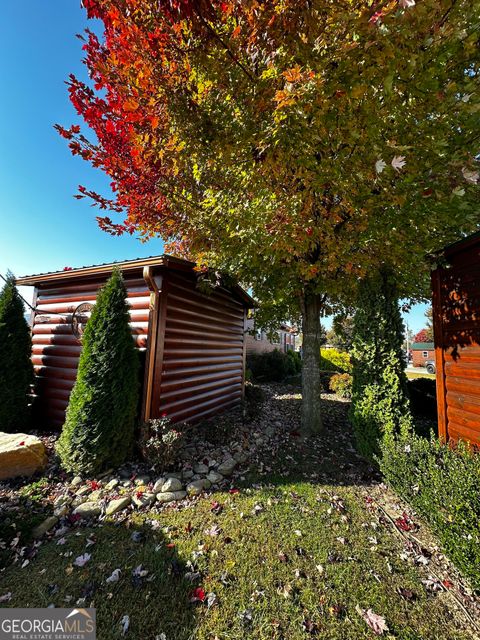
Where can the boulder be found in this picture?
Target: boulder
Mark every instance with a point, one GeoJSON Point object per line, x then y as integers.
{"type": "Point", "coordinates": [143, 499]}
{"type": "Point", "coordinates": [196, 487]}
{"type": "Point", "coordinates": [172, 484]}
{"type": "Point", "coordinates": [200, 468]}
{"type": "Point", "coordinates": [227, 467]}
{"type": "Point", "coordinates": [20, 455]}
{"type": "Point", "coordinates": [114, 482]}
{"type": "Point", "coordinates": [117, 505]}
{"type": "Point", "coordinates": [45, 526]}
{"type": "Point", "coordinates": [214, 477]}
{"type": "Point", "coordinates": [171, 496]}
{"type": "Point", "coordinates": [157, 487]}
{"type": "Point", "coordinates": [88, 510]}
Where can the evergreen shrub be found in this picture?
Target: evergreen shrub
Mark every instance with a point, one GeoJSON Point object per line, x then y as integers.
{"type": "Point", "coordinates": [99, 428]}
{"type": "Point", "coordinates": [380, 405]}
{"type": "Point", "coordinates": [16, 370]}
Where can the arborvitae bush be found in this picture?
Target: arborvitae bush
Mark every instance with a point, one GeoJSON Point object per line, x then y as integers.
{"type": "Point", "coordinates": [380, 405]}
{"type": "Point", "coordinates": [16, 370]}
{"type": "Point", "coordinates": [100, 421]}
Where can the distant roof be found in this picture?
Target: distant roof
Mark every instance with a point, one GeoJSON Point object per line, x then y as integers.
{"type": "Point", "coordinates": [422, 346]}
{"type": "Point", "coordinates": [136, 264]}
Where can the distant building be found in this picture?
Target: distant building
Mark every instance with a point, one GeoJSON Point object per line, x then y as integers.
{"type": "Point", "coordinates": [421, 352]}
{"type": "Point", "coordinates": [257, 340]}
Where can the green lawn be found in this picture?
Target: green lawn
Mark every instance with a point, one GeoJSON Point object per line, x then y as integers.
{"type": "Point", "coordinates": [290, 556]}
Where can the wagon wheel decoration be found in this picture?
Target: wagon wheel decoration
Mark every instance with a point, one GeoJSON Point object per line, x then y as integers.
{"type": "Point", "coordinates": [79, 319]}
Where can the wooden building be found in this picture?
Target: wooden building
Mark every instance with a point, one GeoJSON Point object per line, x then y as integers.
{"type": "Point", "coordinates": [193, 341]}
{"type": "Point", "coordinates": [456, 317]}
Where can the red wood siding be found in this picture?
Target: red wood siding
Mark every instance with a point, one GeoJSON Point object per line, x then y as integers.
{"type": "Point", "coordinates": [201, 350]}
{"type": "Point", "coordinates": [456, 306]}
{"type": "Point", "coordinates": [55, 349]}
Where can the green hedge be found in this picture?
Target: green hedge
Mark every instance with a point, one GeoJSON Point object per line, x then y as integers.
{"type": "Point", "coordinates": [443, 485]}
{"type": "Point", "coordinates": [274, 366]}
{"type": "Point", "coordinates": [334, 360]}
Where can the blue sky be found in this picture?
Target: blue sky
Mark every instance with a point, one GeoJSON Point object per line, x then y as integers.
{"type": "Point", "coordinates": [42, 227]}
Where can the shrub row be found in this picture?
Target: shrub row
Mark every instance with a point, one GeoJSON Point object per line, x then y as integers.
{"type": "Point", "coordinates": [442, 484]}
{"type": "Point", "coordinates": [334, 360]}
{"type": "Point", "coordinates": [274, 366]}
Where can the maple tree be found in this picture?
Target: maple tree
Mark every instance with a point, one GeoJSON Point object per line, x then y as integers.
{"type": "Point", "coordinates": [298, 145]}
{"type": "Point", "coordinates": [421, 336]}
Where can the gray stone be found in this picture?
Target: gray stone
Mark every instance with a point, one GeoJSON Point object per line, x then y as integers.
{"type": "Point", "coordinates": [20, 455]}
{"type": "Point", "coordinates": [227, 467]}
{"type": "Point", "coordinates": [142, 480]}
{"type": "Point", "coordinates": [187, 474]}
{"type": "Point", "coordinates": [88, 510]}
{"type": "Point", "coordinates": [83, 491]}
{"type": "Point", "coordinates": [76, 481]}
{"type": "Point", "coordinates": [240, 457]}
{"type": "Point", "coordinates": [196, 487]}
{"type": "Point", "coordinates": [61, 511]}
{"type": "Point", "coordinates": [117, 505]}
{"type": "Point", "coordinates": [127, 483]}
{"type": "Point", "coordinates": [171, 496]}
{"type": "Point", "coordinates": [125, 473]}
{"type": "Point", "coordinates": [172, 484]}
{"type": "Point", "coordinates": [45, 526]}
{"type": "Point", "coordinates": [95, 495]}
{"type": "Point", "coordinates": [200, 468]}
{"type": "Point", "coordinates": [143, 500]}
{"type": "Point", "coordinates": [112, 484]}
{"type": "Point", "coordinates": [61, 500]}
{"type": "Point", "coordinates": [174, 474]}
{"type": "Point", "coordinates": [214, 477]}
{"type": "Point", "coordinates": [157, 487]}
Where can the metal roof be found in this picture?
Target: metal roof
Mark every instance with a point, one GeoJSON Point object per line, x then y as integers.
{"type": "Point", "coordinates": [139, 264]}
{"type": "Point", "coordinates": [423, 346]}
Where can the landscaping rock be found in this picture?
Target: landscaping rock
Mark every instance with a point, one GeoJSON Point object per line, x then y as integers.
{"type": "Point", "coordinates": [227, 467]}
{"type": "Point", "coordinates": [112, 484]}
{"type": "Point", "coordinates": [88, 510]}
{"type": "Point", "coordinates": [95, 495]}
{"type": "Point", "coordinates": [214, 477]}
{"type": "Point", "coordinates": [172, 484]}
{"type": "Point", "coordinates": [76, 482]}
{"type": "Point", "coordinates": [117, 505]}
{"type": "Point", "coordinates": [143, 500]}
{"type": "Point", "coordinates": [83, 491]}
{"type": "Point", "coordinates": [62, 500]}
{"type": "Point", "coordinates": [20, 455]}
{"type": "Point", "coordinates": [196, 487]}
{"type": "Point", "coordinates": [187, 474]}
{"type": "Point", "coordinates": [200, 468]}
{"type": "Point", "coordinates": [174, 474]}
{"type": "Point", "coordinates": [240, 457]}
{"type": "Point", "coordinates": [45, 526]}
{"type": "Point", "coordinates": [61, 511]}
{"type": "Point", "coordinates": [171, 496]}
{"type": "Point", "coordinates": [144, 479]}
{"type": "Point", "coordinates": [157, 487]}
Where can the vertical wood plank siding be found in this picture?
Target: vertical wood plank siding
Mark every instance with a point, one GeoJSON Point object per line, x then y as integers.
{"type": "Point", "coordinates": [202, 351]}
{"type": "Point", "coordinates": [456, 312]}
{"type": "Point", "coordinates": [55, 349]}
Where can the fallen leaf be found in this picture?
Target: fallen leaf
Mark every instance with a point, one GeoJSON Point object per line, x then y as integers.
{"type": "Point", "coordinates": [374, 621]}
{"type": "Point", "coordinates": [114, 577]}
{"type": "Point", "coordinates": [124, 624]}
{"type": "Point", "coordinates": [81, 561]}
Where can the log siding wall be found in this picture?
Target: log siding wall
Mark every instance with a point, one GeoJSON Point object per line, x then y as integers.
{"type": "Point", "coordinates": [201, 350]}
{"type": "Point", "coordinates": [56, 350]}
{"type": "Point", "coordinates": [456, 313]}
{"type": "Point", "coordinates": [194, 342]}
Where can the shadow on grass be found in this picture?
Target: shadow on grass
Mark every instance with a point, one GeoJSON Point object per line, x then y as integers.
{"type": "Point", "coordinates": [152, 589]}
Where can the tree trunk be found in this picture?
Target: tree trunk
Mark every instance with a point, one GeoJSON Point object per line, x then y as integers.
{"type": "Point", "coordinates": [311, 384]}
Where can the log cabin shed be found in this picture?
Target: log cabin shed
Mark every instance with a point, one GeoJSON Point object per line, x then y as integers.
{"type": "Point", "coordinates": [193, 341]}
{"type": "Point", "coordinates": [456, 320]}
